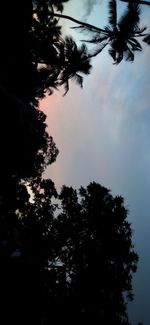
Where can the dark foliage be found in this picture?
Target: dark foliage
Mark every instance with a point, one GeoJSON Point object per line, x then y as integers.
{"type": "Point", "coordinates": [52, 55]}
{"type": "Point", "coordinates": [78, 255]}
{"type": "Point", "coordinates": [96, 255]}
{"type": "Point", "coordinates": [26, 149]}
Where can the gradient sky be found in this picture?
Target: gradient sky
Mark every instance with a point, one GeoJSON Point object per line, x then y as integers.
{"type": "Point", "coordinates": [103, 134]}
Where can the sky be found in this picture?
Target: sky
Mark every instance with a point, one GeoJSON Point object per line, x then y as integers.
{"type": "Point", "coordinates": [103, 135]}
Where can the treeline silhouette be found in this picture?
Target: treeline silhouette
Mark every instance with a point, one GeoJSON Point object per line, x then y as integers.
{"type": "Point", "coordinates": [65, 257]}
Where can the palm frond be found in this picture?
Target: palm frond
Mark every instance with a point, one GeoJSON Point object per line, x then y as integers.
{"type": "Point", "coordinates": [112, 7]}
{"type": "Point", "coordinates": [66, 87]}
{"type": "Point", "coordinates": [86, 67]}
{"type": "Point", "coordinates": [65, 82]}
{"type": "Point", "coordinates": [69, 44]}
{"type": "Point", "coordinates": [96, 39]}
{"type": "Point", "coordinates": [87, 29]}
{"type": "Point", "coordinates": [147, 39]}
{"type": "Point", "coordinates": [78, 79]}
{"type": "Point", "coordinates": [83, 61]}
{"type": "Point", "coordinates": [83, 51]}
{"type": "Point", "coordinates": [140, 30]}
{"type": "Point", "coordinates": [108, 30]}
{"type": "Point", "coordinates": [136, 46]}
{"type": "Point", "coordinates": [129, 55]}
{"type": "Point", "coordinates": [76, 60]}
{"type": "Point", "coordinates": [77, 57]}
{"type": "Point", "coordinates": [112, 53]}
{"type": "Point", "coordinates": [119, 57]}
{"type": "Point", "coordinates": [98, 49]}
{"type": "Point", "coordinates": [130, 19]}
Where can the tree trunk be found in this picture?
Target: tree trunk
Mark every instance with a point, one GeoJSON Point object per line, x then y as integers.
{"type": "Point", "coordinates": [79, 22]}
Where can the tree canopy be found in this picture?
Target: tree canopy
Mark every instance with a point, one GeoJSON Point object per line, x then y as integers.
{"type": "Point", "coordinates": [79, 246]}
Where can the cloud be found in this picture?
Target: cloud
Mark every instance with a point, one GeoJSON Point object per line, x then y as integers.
{"type": "Point", "coordinates": [89, 4]}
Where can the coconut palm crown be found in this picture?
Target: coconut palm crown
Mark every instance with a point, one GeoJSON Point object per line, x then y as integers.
{"type": "Point", "coordinates": [122, 36]}
{"type": "Point", "coordinates": [75, 62]}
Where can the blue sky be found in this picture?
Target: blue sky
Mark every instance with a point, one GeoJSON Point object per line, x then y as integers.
{"type": "Point", "coordinates": [103, 134]}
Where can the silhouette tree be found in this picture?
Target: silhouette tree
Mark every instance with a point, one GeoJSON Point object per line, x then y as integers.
{"type": "Point", "coordinates": [71, 256]}
{"type": "Point", "coordinates": [73, 60]}
{"type": "Point", "coordinates": [26, 246]}
{"type": "Point", "coordinates": [50, 52]}
{"type": "Point", "coordinates": [94, 258]}
{"type": "Point", "coordinates": [26, 145]}
{"type": "Point", "coordinates": [121, 36]}
{"type": "Point", "coordinates": [26, 149]}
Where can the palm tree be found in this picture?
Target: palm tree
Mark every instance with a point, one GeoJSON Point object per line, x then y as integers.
{"type": "Point", "coordinates": [57, 59]}
{"type": "Point", "coordinates": [122, 36]}
{"type": "Point", "coordinates": [73, 61]}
